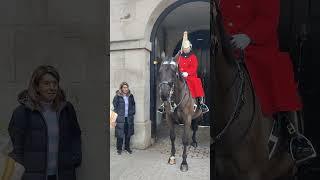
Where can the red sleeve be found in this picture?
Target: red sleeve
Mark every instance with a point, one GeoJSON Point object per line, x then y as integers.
{"type": "Point", "coordinates": [193, 68]}
{"type": "Point", "coordinates": [264, 25]}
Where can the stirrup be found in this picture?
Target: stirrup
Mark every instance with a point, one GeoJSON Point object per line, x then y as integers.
{"type": "Point", "coordinates": [204, 108]}
{"type": "Point", "coordinates": [312, 155]}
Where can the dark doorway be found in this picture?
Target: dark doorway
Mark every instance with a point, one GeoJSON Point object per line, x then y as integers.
{"type": "Point", "coordinates": [177, 15]}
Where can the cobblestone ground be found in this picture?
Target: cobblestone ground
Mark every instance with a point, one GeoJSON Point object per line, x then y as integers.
{"type": "Point", "coordinates": [151, 164]}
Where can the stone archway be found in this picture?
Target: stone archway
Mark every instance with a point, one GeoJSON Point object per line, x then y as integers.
{"type": "Point", "coordinates": [156, 23]}
{"type": "Point", "coordinates": [132, 25]}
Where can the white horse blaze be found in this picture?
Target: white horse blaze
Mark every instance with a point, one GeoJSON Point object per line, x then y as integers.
{"type": "Point", "coordinates": [170, 62]}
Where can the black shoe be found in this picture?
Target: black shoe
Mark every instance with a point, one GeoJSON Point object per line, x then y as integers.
{"type": "Point", "coordinates": [119, 152]}
{"type": "Point", "coordinates": [128, 150]}
{"type": "Point", "coordinates": [301, 149]}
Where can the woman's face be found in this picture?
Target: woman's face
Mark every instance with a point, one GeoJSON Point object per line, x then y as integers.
{"type": "Point", "coordinates": [186, 50]}
{"type": "Point", "coordinates": [48, 87]}
{"type": "Point", "coordinates": [125, 89]}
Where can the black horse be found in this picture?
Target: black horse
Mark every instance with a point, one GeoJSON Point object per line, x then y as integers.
{"type": "Point", "coordinates": [179, 106]}
{"type": "Point", "coordinates": [241, 131]}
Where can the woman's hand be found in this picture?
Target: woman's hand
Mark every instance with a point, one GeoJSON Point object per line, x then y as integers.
{"type": "Point", "coordinates": [113, 124]}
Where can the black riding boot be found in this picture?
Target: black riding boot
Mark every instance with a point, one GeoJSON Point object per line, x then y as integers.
{"type": "Point", "coordinates": [301, 148]}
{"type": "Point", "coordinates": [203, 106]}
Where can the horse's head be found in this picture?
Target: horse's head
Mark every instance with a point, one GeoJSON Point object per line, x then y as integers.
{"type": "Point", "coordinates": [168, 75]}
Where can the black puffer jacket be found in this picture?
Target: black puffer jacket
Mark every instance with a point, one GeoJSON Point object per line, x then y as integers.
{"type": "Point", "coordinates": [28, 133]}
{"type": "Point", "coordinates": [119, 108]}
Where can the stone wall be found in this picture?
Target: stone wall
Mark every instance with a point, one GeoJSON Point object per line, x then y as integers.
{"type": "Point", "coordinates": [131, 66]}
{"type": "Point", "coordinates": [69, 35]}
{"type": "Point", "coordinates": [131, 25]}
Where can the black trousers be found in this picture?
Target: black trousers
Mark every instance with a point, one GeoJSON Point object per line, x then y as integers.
{"type": "Point", "coordinates": [127, 138]}
{"type": "Point", "coordinates": [52, 177]}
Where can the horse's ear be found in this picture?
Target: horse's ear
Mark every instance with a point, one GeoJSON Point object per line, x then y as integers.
{"type": "Point", "coordinates": [163, 55]}
{"type": "Point", "coordinates": [177, 56]}
{"type": "Point", "coordinates": [173, 59]}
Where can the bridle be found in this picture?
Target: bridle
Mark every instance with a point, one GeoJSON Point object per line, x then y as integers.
{"type": "Point", "coordinates": [173, 105]}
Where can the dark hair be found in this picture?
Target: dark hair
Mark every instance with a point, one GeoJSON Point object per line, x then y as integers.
{"type": "Point", "coordinates": [37, 74]}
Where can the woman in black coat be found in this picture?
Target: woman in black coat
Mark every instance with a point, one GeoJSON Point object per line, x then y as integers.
{"type": "Point", "coordinates": [124, 106]}
{"type": "Point", "coordinates": [44, 130]}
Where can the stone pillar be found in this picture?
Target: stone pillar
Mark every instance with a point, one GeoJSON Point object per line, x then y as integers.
{"type": "Point", "coordinates": [130, 62]}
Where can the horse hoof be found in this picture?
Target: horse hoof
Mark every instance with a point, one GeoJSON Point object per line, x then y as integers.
{"type": "Point", "coordinates": [194, 144]}
{"type": "Point", "coordinates": [172, 160]}
{"type": "Point", "coordinates": [184, 167]}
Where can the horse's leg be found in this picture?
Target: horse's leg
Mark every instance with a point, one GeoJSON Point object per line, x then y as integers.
{"type": "Point", "coordinates": [172, 159]}
{"type": "Point", "coordinates": [291, 175]}
{"type": "Point", "coordinates": [185, 140]}
{"type": "Point", "coordinates": [194, 126]}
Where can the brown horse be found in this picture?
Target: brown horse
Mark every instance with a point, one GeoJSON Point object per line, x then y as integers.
{"type": "Point", "coordinates": [240, 131]}
{"type": "Point", "coordinates": [179, 107]}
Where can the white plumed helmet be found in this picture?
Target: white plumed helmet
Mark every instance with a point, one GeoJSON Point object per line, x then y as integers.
{"type": "Point", "coordinates": [185, 42]}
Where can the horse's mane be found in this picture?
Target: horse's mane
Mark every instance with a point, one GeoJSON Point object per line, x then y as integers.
{"type": "Point", "coordinates": [224, 37]}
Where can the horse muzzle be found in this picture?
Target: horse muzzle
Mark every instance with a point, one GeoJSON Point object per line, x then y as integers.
{"type": "Point", "coordinates": [164, 89]}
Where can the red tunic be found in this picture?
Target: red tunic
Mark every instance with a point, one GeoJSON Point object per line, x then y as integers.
{"type": "Point", "coordinates": [190, 65]}
{"type": "Point", "coordinates": [271, 70]}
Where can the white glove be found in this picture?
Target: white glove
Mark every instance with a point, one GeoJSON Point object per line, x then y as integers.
{"type": "Point", "coordinates": [240, 41]}
{"type": "Point", "coordinates": [185, 74]}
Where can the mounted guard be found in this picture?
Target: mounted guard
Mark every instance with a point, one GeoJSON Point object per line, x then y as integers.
{"type": "Point", "coordinates": [188, 66]}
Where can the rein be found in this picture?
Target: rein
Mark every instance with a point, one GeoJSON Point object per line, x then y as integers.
{"type": "Point", "coordinates": [238, 104]}
{"type": "Point", "coordinates": [240, 101]}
